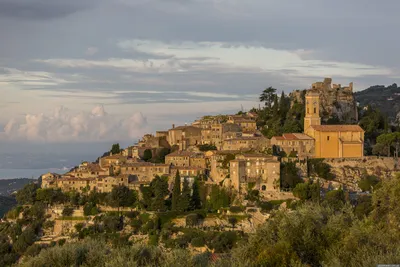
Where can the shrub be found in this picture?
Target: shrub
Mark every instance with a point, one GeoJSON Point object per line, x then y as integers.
{"type": "Point", "coordinates": [192, 220]}
{"type": "Point", "coordinates": [153, 240]}
{"type": "Point", "coordinates": [132, 214]}
{"type": "Point", "coordinates": [198, 242]}
{"type": "Point", "coordinates": [235, 209]}
{"type": "Point", "coordinates": [48, 224]}
{"type": "Point", "coordinates": [61, 241]}
{"type": "Point", "coordinates": [368, 182]}
{"type": "Point", "coordinates": [79, 227]}
{"type": "Point", "coordinates": [67, 211]}
{"type": "Point", "coordinates": [33, 250]}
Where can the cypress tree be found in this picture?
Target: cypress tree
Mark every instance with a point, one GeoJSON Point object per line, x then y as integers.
{"type": "Point", "coordinates": [196, 200]}
{"type": "Point", "coordinates": [176, 191]}
{"type": "Point", "coordinates": [184, 201]}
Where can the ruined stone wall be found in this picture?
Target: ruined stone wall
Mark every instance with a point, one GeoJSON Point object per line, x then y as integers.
{"type": "Point", "coordinates": [335, 100]}
{"type": "Point", "coordinates": [349, 171]}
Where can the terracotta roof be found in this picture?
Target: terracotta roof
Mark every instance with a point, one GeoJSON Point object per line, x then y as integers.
{"type": "Point", "coordinates": [184, 154]}
{"type": "Point", "coordinates": [225, 152]}
{"type": "Point", "coordinates": [256, 155]}
{"type": "Point", "coordinates": [184, 128]}
{"type": "Point", "coordinates": [296, 136]}
{"type": "Point", "coordinates": [244, 138]}
{"type": "Point", "coordinates": [144, 164]}
{"type": "Point", "coordinates": [186, 168]}
{"type": "Point", "coordinates": [337, 128]}
{"type": "Point", "coordinates": [75, 179]}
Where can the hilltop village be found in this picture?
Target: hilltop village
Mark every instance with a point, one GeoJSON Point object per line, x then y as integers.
{"type": "Point", "coordinates": [227, 150]}
{"type": "Point", "coordinates": [297, 182]}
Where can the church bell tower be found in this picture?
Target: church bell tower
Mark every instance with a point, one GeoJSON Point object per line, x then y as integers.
{"type": "Point", "coordinates": [312, 110]}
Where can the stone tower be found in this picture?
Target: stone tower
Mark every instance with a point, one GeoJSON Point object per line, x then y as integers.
{"type": "Point", "coordinates": [312, 110]}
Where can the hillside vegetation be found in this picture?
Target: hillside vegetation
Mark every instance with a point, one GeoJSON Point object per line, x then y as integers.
{"type": "Point", "coordinates": [6, 203]}
{"type": "Point", "coordinates": [377, 96]}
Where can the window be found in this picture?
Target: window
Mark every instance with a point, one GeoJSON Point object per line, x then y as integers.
{"type": "Point", "coordinates": [315, 110]}
{"type": "Point", "coordinates": [263, 188]}
{"type": "Point", "coordinates": [327, 138]}
{"type": "Point", "coordinates": [308, 110]}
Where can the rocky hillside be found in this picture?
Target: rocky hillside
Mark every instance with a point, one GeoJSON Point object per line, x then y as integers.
{"type": "Point", "coordinates": [337, 102]}
{"type": "Point", "coordinates": [386, 99]}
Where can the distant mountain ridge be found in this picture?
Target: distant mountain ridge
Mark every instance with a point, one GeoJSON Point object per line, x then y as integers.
{"type": "Point", "coordinates": [9, 186]}
{"type": "Point", "coordinates": [385, 98]}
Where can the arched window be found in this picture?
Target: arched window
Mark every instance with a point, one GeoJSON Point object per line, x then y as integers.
{"type": "Point", "coordinates": [263, 188]}
{"type": "Point", "coordinates": [315, 110]}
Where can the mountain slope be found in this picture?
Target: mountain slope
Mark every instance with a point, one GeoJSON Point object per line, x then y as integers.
{"type": "Point", "coordinates": [6, 203]}
{"type": "Point", "coordinates": [386, 99]}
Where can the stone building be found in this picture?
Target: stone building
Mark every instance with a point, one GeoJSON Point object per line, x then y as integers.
{"type": "Point", "coordinates": [145, 171]}
{"type": "Point", "coordinates": [67, 184]}
{"type": "Point", "coordinates": [184, 136]}
{"type": "Point", "coordinates": [259, 170]}
{"type": "Point", "coordinates": [246, 122]}
{"type": "Point", "coordinates": [215, 134]}
{"type": "Point", "coordinates": [219, 164]}
{"type": "Point", "coordinates": [49, 180]}
{"type": "Point", "coordinates": [207, 121]}
{"type": "Point", "coordinates": [331, 141]}
{"type": "Point", "coordinates": [138, 151]}
{"type": "Point", "coordinates": [151, 141]}
{"type": "Point", "coordinates": [336, 101]}
{"type": "Point", "coordinates": [246, 143]}
{"type": "Point", "coordinates": [90, 170]}
{"type": "Point", "coordinates": [187, 172]}
{"type": "Point", "coordinates": [113, 160]}
{"type": "Point", "coordinates": [105, 184]}
{"type": "Point", "coordinates": [186, 158]}
{"type": "Point", "coordinates": [300, 144]}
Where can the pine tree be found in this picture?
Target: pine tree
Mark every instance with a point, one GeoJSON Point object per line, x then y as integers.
{"type": "Point", "coordinates": [196, 200]}
{"type": "Point", "coordinates": [184, 201]}
{"type": "Point", "coordinates": [176, 191]}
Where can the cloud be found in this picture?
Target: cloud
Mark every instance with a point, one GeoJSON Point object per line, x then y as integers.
{"type": "Point", "coordinates": [65, 126]}
{"type": "Point", "coordinates": [90, 51]}
{"type": "Point", "coordinates": [41, 9]}
{"type": "Point", "coordinates": [219, 57]}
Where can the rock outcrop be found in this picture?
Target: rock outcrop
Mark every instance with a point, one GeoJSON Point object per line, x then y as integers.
{"type": "Point", "coordinates": [337, 102]}
{"type": "Point", "coordinates": [349, 172]}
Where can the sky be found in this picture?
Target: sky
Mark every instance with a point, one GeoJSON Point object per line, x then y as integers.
{"type": "Point", "coordinates": [102, 71]}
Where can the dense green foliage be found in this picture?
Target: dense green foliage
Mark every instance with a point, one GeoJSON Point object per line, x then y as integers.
{"type": "Point", "coordinates": [278, 115]}
{"type": "Point", "coordinates": [376, 96]}
{"type": "Point", "coordinates": [318, 168]}
{"type": "Point", "coordinates": [115, 149]}
{"type": "Point", "coordinates": [290, 176]}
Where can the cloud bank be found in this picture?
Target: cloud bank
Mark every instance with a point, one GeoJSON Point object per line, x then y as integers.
{"type": "Point", "coordinates": [65, 126]}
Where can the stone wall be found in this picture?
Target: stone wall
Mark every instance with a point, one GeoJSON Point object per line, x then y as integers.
{"type": "Point", "coordinates": [335, 100]}
{"type": "Point", "coordinates": [349, 171]}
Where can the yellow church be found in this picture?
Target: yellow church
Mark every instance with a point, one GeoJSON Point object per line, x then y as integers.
{"type": "Point", "coordinates": [331, 141]}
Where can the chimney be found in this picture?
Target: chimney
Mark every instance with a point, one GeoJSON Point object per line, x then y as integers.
{"type": "Point", "coordinates": [173, 126]}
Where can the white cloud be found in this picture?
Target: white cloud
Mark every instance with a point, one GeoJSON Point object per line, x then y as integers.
{"type": "Point", "coordinates": [30, 78]}
{"type": "Point", "coordinates": [65, 126]}
{"type": "Point", "coordinates": [90, 51]}
{"type": "Point", "coordinates": [220, 57]}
